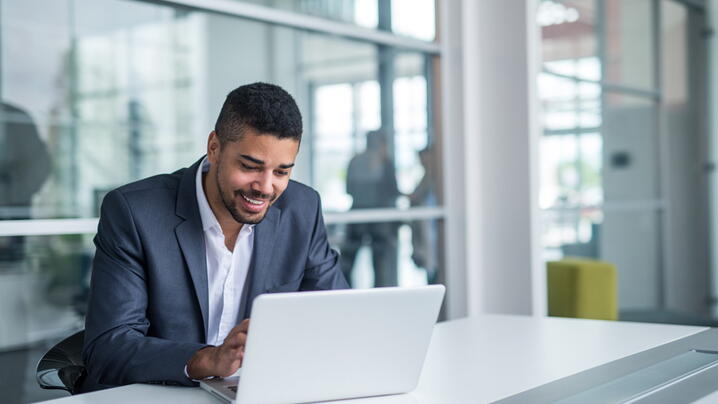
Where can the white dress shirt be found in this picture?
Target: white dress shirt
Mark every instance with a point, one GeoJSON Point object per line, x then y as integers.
{"type": "Point", "coordinates": [226, 270]}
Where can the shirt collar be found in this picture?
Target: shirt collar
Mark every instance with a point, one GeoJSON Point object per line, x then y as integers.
{"type": "Point", "coordinates": [209, 221]}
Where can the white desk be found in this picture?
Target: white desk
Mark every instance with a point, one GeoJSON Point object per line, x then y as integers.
{"type": "Point", "coordinates": [476, 360]}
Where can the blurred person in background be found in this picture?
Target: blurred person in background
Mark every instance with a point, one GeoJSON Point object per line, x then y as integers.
{"type": "Point", "coordinates": [425, 233]}
{"type": "Point", "coordinates": [371, 182]}
{"type": "Point", "coordinates": [24, 168]}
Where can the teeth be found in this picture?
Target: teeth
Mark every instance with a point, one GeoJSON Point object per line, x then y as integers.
{"type": "Point", "coordinates": [252, 201]}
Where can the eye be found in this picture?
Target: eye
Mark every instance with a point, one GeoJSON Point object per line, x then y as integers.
{"type": "Point", "coordinates": [248, 167]}
{"type": "Point", "coordinates": [282, 173]}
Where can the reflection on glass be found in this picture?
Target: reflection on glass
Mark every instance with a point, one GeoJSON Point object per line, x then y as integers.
{"type": "Point", "coordinates": [630, 148]}
{"type": "Point", "coordinates": [99, 93]}
{"type": "Point", "coordinates": [569, 43]}
{"type": "Point", "coordinates": [600, 150]}
{"type": "Point", "coordinates": [572, 177]}
{"type": "Point", "coordinates": [43, 297]}
{"type": "Point", "coordinates": [631, 240]}
{"type": "Point", "coordinates": [569, 103]}
{"type": "Point", "coordinates": [417, 245]}
{"type": "Point", "coordinates": [336, 139]}
{"type": "Point", "coordinates": [571, 193]}
{"type": "Point", "coordinates": [410, 120]}
{"type": "Point", "coordinates": [371, 183]}
{"type": "Point", "coordinates": [134, 92]}
{"type": "Point", "coordinates": [345, 111]}
{"type": "Point", "coordinates": [24, 162]}
{"type": "Point", "coordinates": [24, 168]}
{"type": "Point", "coordinates": [413, 18]}
{"type": "Point", "coordinates": [629, 43]}
{"type": "Point", "coordinates": [107, 98]}
{"type": "Point", "coordinates": [425, 192]}
{"type": "Point", "coordinates": [425, 234]}
{"type": "Point", "coordinates": [364, 13]}
{"type": "Point", "coordinates": [44, 294]}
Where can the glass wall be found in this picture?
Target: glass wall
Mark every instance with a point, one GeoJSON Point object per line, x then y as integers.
{"type": "Point", "coordinates": [620, 166]}
{"type": "Point", "coordinates": [97, 94]}
{"type": "Point", "coordinates": [413, 18]}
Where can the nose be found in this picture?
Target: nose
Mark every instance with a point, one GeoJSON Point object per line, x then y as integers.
{"type": "Point", "coordinates": [263, 184]}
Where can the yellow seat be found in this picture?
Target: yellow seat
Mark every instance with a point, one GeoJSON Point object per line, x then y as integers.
{"type": "Point", "coordinates": [582, 288]}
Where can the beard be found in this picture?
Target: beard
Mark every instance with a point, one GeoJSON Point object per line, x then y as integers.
{"type": "Point", "coordinates": [229, 197]}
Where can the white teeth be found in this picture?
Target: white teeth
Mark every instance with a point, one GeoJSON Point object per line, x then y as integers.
{"type": "Point", "coordinates": [252, 201]}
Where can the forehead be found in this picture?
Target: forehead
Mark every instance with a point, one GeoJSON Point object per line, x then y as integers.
{"type": "Point", "coordinates": [266, 147]}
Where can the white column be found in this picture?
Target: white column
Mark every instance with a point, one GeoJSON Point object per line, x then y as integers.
{"type": "Point", "coordinates": [491, 157]}
{"type": "Point", "coordinates": [451, 116]}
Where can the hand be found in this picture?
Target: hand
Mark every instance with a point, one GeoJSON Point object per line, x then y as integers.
{"type": "Point", "coordinates": [222, 360]}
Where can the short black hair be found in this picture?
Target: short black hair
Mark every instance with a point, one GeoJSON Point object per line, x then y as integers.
{"type": "Point", "coordinates": [264, 107]}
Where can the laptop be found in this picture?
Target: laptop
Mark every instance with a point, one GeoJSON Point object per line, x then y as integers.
{"type": "Point", "coordinates": [331, 345]}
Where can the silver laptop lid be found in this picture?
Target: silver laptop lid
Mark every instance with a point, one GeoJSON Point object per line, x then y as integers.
{"type": "Point", "coordinates": [316, 346]}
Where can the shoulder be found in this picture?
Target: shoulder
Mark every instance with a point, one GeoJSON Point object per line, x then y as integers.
{"type": "Point", "coordinates": [162, 183]}
{"type": "Point", "coordinates": [156, 195]}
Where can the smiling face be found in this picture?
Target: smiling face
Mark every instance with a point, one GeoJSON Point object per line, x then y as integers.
{"type": "Point", "coordinates": [248, 175]}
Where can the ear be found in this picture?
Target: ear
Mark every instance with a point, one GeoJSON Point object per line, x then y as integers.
{"type": "Point", "coordinates": [214, 148]}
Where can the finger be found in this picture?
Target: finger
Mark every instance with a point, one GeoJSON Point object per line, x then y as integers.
{"type": "Point", "coordinates": [243, 326]}
{"type": "Point", "coordinates": [240, 340]}
{"type": "Point", "coordinates": [234, 331]}
{"type": "Point", "coordinates": [235, 341]}
{"type": "Point", "coordinates": [229, 355]}
{"type": "Point", "coordinates": [236, 354]}
{"type": "Point", "coordinates": [233, 334]}
{"type": "Point", "coordinates": [231, 368]}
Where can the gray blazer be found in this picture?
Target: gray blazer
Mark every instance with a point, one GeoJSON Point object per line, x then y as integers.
{"type": "Point", "coordinates": [147, 312]}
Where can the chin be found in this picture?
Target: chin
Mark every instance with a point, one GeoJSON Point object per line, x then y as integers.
{"type": "Point", "coordinates": [249, 218]}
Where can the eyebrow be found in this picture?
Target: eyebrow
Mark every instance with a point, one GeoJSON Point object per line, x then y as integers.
{"type": "Point", "coordinates": [260, 162]}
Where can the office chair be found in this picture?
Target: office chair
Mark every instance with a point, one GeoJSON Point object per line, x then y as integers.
{"type": "Point", "coordinates": [62, 368]}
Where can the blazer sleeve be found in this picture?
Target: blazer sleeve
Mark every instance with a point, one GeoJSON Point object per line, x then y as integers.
{"type": "Point", "coordinates": [117, 350]}
{"type": "Point", "coordinates": [323, 270]}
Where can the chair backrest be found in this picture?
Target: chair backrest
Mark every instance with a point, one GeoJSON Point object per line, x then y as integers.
{"type": "Point", "coordinates": [62, 367]}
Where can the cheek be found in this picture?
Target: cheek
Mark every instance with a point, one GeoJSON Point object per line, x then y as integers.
{"type": "Point", "coordinates": [280, 186]}
{"type": "Point", "coordinates": [237, 180]}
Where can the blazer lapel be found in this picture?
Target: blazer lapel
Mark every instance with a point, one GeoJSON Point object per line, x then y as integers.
{"type": "Point", "coordinates": [191, 238]}
{"type": "Point", "coordinates": [259, 269]}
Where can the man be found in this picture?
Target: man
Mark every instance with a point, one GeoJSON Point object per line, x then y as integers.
{"type": "Point", "coordinates": [371, 181]}
{"type": "Point", "coordinates": [180, 257]}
